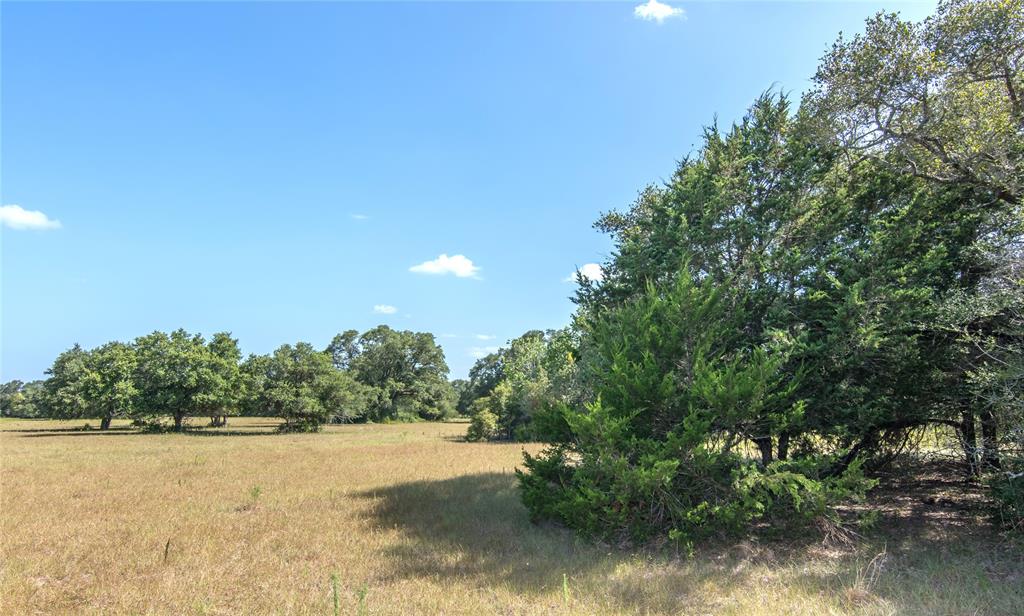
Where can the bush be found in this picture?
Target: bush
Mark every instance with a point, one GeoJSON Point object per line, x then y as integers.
{"type": "Point", "coordinates": [483, 426]}
{"type": "Point", "coordinates": [153, 426]}
{"type": "Point", "coordinates": [300, 426]}
{"type": "Point", "coordinates": [658, 454]}
{"type": "Point", "coordinates": [1008, 492]}
{"type": "Point", "coordinates": [549, 425]}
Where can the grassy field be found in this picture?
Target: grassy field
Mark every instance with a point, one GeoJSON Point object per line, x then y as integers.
{"type": "Point", "coordinates": [412, 520]}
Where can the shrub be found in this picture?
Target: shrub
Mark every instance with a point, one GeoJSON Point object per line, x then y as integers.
{"type": "Point", "coordinates": [301, 426]}
{"type": "Point", "coordinates": [549, 424]}
{"type": "Point", "coordinates": [1008, 494]}
{"type": "Point", "coordinates": [483, 426]}
{"type": "Point", "coordinates": [659, 453]}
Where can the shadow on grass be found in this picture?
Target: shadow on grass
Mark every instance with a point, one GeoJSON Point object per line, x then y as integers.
{"type": "Point", "coordinates": [222, 432]}
{"type": "Point", "coordinates": [70, 430]}
{"type": "Point", "coordinates": [474, 528]}
{"type": "Point", "coordinates": [206, 432]}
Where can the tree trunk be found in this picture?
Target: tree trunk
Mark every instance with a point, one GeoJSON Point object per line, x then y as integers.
{"type": "Point", "coordinates": [867, 442]}
{"type": "Point", "coordinates": [969, 441]}
{"type": "Point", "coordinates": [989, 440]}
{"type": "Point", "coordinates": [784, 446]}
{"type": "Point", "coordinates": [178, 420]}
{"type": "Point", "coordinates": [764, 444]}
{"type": "Point", "coordinates": [105, 423]}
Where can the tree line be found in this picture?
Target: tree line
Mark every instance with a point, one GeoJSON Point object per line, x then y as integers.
{"type": "Point", "coordinates": [165, 378]}
{"type": "Point", "coordinates": [812, 288]}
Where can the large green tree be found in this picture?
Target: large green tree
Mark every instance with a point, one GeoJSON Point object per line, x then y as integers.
{"type": "Point", "coordinates": [178, 376]}
{"type": "Point", "coordinates": [253, 373]}
{"type": "Point", "coordinates": [67, 384]}
{"type": "Point", "coordinates": [110, 389]}
{"type": "Point", "coordinates": [742, 213]}
{"type": "Point", "coordinates": [225, 360]}
{"type": "Point", "coordinates": [941, 101]}
{"type": "Point", "coordinates": [864, 251]}
{"type": "Point", "coordinates": [484, 375]}
{"type": "Point", "coordinates": [301, 385]}
{"type": "Point", "coordinates": [407, 371]}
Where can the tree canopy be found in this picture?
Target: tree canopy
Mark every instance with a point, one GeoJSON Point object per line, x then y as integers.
{"type": "Point", "coordinates": [815, 282]}
{"type": "Point", "coordinates": [407, 371]}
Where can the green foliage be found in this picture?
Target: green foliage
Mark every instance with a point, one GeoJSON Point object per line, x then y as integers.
{"type": "Point", "coordinates": [381, 375]}
{"type": "Point", "coordinates": [111, 390]}
{"type": "Point", "coordinates": [1008, 495]}
{"type": "Point", "coordinates": [26, 400]}
{"type": "Point", "coordinates": [178, 375]}
{"type": "Point", "coordinates": [939, 99]}
{"type": "Point", "coordinates": [406, 370]}
{"type": "Point", "coordinates": [66, 384]}
{"type": "Point", "coordinates": [101, 383]}
{"type": "Point", "coordinates": [535, 372]}
{"type": "Point", "coordinates": [227, 398]}
{"type": "Point", "coordinates": [301, 385]}
{"type": "Point", "coordinates": [549, 424]}
{"type": "Point", "coordinates": [460, 389]}
{"type": "Point", "coordinates": [657, 453]}
{"type": "Point", "coordinates": [334, 593]}
{"type": "Point", "coordinates": [483, 426]}
{"type": "Point", "coordinates": [808, 286]}
{"type": "Point", "coordinates": [343, 349]}
{"type": "Point", "coordinates": [484, 376]}
{"type": "Point", "coordinates": [361, 600]}
{"type": "Point", "coordinates": [253, 373]}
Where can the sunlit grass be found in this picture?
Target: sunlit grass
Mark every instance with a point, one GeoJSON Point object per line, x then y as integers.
{"type": "Point", "coordinates": [410, 520]}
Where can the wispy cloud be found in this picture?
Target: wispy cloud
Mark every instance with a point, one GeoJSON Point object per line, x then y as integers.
{"type": "Point", "coordinates": [590, 271]}
{"type": "Point", "coordinates": [657, 11]}
{"type": "Point", "coordinates": [17, 217]}
{"type": "Point", "coordinates": [385, 309]}
{"type": "Point", "coordinates": [479, 352]}
{"type": "Point", "coordinates": [484, 337]}
{"type": "Point", "coordinates": [359, 217]}
{"type": "Point", "coordinates": [459, 265]}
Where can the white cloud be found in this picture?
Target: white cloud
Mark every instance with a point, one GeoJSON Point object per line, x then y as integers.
{"type": "Point", "coordinates": [17, 217]}
{"type": "Point", "coordinates": [480, 352]}
{"type": "Point", "coordinates": [359, 216]}
{"type": "Point", "coordinates": [590, 271]}
{"type": "Point", "coordinates": [656, 11]}
{"type": "Point", "coordinates": [484, 337]}
{"type": "Point", "coordinates": [384, 309]}
{"type": "Point", "coordinates": [456, 264]}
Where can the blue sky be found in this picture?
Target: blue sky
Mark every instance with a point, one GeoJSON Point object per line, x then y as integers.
{"type": "Point", "coordinates": [287, 171]}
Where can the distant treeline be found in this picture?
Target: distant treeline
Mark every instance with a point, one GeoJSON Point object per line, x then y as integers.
{"type": "Point", "coordinates": [812, 288]}
{"type": "Point", "coordinates": [380, 375]}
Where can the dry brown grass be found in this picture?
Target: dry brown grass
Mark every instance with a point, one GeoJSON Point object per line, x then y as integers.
{"type": "Point", "coordinates": [256, 523]}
